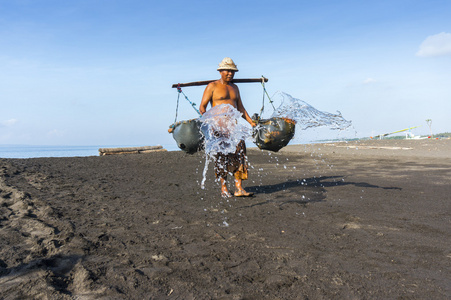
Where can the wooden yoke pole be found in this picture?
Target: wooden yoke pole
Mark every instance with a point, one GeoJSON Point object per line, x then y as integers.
{"type": "Point", "coordinates": [197, 83]}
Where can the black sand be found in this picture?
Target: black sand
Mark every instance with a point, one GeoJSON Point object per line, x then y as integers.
{"type": "Point", "coordinates": [327, 222]}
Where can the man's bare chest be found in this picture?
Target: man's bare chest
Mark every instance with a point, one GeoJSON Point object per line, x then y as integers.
{"type": "Point", "coordinates": [225, 93]}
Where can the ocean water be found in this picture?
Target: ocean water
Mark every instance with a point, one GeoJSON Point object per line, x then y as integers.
{"type": "Point", "coordinates": [29, 151]}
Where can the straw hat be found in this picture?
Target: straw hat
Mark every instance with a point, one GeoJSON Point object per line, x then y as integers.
{"type": "Point", "coordinates": [227, 64]}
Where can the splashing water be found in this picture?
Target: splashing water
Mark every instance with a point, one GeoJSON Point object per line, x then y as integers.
{"type": "Point", "coordinates": [305, 115]}
{"type": "Point", "coordinates": [223, 131]}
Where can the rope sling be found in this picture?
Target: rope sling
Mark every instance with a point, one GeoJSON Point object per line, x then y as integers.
{"type": "Point", "coordinates": [179, 90]}
{"type": "Point", "coordinates": [269, 98]}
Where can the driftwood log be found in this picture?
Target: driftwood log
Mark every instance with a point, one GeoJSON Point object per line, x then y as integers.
{"type": "Point", "coordinates": [196, 83]}
{"type": "Point", "coordinates": [131, 150]}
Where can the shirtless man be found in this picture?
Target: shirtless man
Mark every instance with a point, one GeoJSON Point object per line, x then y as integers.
{"type": "Point", "coordinates": [223, 91]}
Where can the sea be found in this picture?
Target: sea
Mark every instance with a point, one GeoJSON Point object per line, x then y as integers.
{"type": "Point", "coordinates": [33, 151]}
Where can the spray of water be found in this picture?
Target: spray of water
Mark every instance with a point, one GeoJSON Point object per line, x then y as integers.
{"type": "Point", "coordinates": [305, 115]}
{"type": "Point", "coordinates": [223, 130]}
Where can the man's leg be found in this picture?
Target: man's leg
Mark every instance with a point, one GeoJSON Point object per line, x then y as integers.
{"type": "Point", "coordinates": [221, 172]}
{"type": "Point", "coordinates": [224, 190]}
{"type": "Point", "coordinates": [239, 190]}
{"type": "Point", "coordinates": [241, 173]}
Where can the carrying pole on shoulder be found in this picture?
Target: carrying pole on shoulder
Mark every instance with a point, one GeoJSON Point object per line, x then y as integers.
{"type": "Point", "coordinates": [179, 86]}
{"type": "Point", "coordinates": [197, 83]}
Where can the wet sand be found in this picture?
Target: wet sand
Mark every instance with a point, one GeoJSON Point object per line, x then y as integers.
{"type": "Point", "coordinates": [360, 220]}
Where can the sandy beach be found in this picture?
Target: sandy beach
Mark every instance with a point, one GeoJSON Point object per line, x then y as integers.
{"type": "Point", "coordinates": [357, 220]}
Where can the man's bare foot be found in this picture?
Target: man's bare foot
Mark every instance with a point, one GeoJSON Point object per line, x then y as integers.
{"type": "Point", "coordinates": [240, 191]}
{"type": "Point", "coordinates": [243, 193]}
{"type": "Point", "coordinates": [226, 194]}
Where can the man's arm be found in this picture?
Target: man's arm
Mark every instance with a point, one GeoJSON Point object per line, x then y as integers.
{"type": "Point", "coordinates": [240, 107]}
{"type": "Point", "coordinates": [206, 98]}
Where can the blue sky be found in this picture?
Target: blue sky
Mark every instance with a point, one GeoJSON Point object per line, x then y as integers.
{"type": "Point", "coordinates": [100, 72]}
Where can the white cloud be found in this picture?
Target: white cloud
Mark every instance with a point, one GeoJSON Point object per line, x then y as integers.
{"type": "Point", "coordinates": [369, 80]}
{"type": "Point", "coordinates": [436, 45]}
{"type": "Point", "coordinates": [8, 123]}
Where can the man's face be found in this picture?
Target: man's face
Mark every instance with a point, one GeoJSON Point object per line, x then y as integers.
{"type": "Point", "coordinates": [227, 75]}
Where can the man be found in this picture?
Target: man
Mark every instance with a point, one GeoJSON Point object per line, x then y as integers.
{"type": "Point", "coordinates": [223, 91]}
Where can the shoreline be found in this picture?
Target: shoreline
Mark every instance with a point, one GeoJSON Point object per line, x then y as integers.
{"type": "Point", "coordinates": [415, 148]}
{"type": "Point", "coordinates": [24, 152]}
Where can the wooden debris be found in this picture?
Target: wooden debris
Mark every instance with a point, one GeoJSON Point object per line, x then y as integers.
{"type": "Point", "coordinates": [131, 150]}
